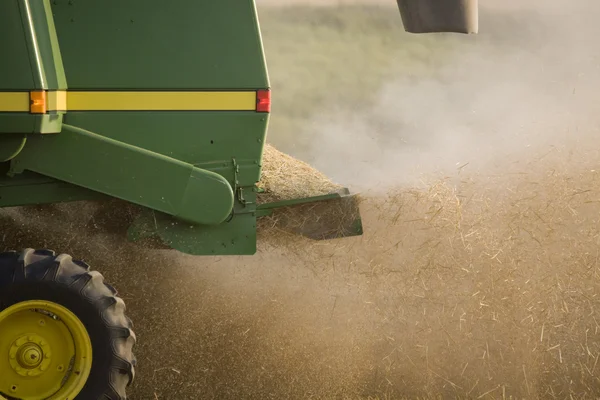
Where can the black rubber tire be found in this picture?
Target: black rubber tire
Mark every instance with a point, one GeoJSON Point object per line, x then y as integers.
{"type": "Point", "coordinates": [42, 275]}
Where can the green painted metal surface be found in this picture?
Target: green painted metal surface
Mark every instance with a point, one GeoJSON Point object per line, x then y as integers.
{"type": "Point", "coordinates": [209, 140]}
{"type": "Point", "coordinates": [16, 74]}
{"type": "Point", "coordinates": [152, 44]}
{"type": "Point", "coordinates": [236, 236]}
{"type": "Point", "coordinates": [29, 123]}
{"type": "Point", "coordinates": [33, 191]}
{"type": "Point", "coordinates": [233, 237]}
{"type": "Point", "coordinates": [266, 209]}
{"type": "Point", "coordinates": [30, 188]}
{"type": "Point", "coordinates": [11, 145]}
{"type": "Point", "coordinates": [130, 173]}
{"type": "Point", "coordinates": [35, 61]}
{"type": "Point", "coordinates": [17, 122]}
{"type": "Point", "coordinates": [42, 43]}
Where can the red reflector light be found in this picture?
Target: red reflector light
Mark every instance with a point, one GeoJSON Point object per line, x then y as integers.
{"type": "Point", "coordinates": [263, 100]}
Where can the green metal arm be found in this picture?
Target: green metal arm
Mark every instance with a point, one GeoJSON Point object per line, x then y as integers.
{"type": "Point", "coordinates": [267, 209]}
{"type": "Point", "coordinates": [130, 173]}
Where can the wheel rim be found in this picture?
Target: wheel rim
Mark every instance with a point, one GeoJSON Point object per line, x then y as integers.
{"type": "Point", "coordinates": [45, 352]}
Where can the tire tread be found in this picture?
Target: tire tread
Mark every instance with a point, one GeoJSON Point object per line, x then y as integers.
{"type": "Point", "coordinates": [76, 275]}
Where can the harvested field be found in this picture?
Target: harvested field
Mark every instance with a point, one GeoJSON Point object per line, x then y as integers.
{"type": "Point", "coordinates": [477, 276]}
{"type": "Point", "coordinates": [481, 289]}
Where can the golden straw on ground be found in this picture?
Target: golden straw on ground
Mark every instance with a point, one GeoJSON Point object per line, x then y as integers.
{"type": "Point", "coordinates": [286, 178]}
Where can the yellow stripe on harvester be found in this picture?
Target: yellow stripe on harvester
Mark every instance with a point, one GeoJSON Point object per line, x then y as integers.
{"type": "Point", "coordinates": [14, 101]}
{"type": "Point", "coordinates": [133, 101]}
{"type": "Point", "coordinates": [161, 101]}
{"type": "Point", "coordinates": [57, 100]}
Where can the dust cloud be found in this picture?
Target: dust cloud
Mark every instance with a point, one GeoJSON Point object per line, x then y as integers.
{"type": "Point", "coordinates": [485, 285]}
{"type": "Point", "coordinates": [525, 84]}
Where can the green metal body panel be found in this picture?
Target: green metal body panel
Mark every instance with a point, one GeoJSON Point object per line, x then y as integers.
{"type": "Point", "coordinates": [207, 139]}
{"type": "Point", "coordinates": [236, 236]}
{"type": "Point", "coordinates": [11, 145]}
{"type": "Point", "coordinates": [31, 44]}
{"type": "Point", "coordinates": [16, 74]}
{"type": "Point", "coordinates": [32, 189]}
{"type": "Point", "coordinates": [152, 44]}
{"type": "Point", "coordinates": [28, 123]}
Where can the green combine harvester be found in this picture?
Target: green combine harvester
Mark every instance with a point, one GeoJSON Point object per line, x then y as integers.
{"type": "Point", "coordinates": [160, 104]}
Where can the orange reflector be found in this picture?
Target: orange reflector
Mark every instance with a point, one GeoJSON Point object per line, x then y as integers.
{"type": "Point", "coordinates": [37, 102]}
{"type": "Point", "coordinates": [263, 100]}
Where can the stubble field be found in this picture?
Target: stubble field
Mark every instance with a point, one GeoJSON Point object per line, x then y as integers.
{"type": "Point", "coordinates": [478, 273]}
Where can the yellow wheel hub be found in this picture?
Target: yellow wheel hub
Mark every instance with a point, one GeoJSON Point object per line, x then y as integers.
{"type": "Point", "coordinates": [45, 352]}
{"type": "Point", "coordinates": [30, 355]}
